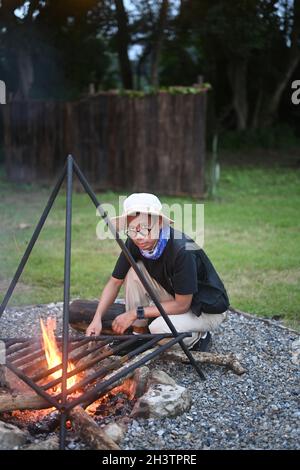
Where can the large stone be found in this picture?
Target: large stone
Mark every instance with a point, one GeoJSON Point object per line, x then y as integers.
{"type": "Point", "coordinates": [51, 443]}
{"type": "Point", "coordinates": [140, 377]}
{"type": "Point", "coordinates": [161, 377]}
{"type": "Point", "coordinates": [11, 436]}
{"type": "Point", "coordinates": [296, 351]}
{"type": "Point", "coordinates": [162, 401]}
{"type": "Point", "coordinates": [115, 431]}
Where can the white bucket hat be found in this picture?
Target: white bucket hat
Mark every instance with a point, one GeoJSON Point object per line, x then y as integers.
{"type": "Point", "coordinates": [144, 203]}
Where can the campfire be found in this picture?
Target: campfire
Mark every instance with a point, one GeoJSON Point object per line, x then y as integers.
{"type": "Point", "coordinates": [45, 362]}
{"type": "Point", "coordinates": [100, 380]}
{"type": "Point", "coordinates": [103, 388]}
{"type": "Point", "coordinates": [52, 352]}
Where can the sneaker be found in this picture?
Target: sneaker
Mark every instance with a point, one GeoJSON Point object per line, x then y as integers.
{"type": "Point", "coordinates": [203, 344]}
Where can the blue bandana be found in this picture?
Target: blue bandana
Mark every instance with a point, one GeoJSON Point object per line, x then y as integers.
{"type": "Point", "coordinates": [164, 236]}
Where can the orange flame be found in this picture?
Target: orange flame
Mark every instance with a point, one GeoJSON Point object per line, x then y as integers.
{"type": "Point", "coordinates": [52, 353]}
{"type": "Point", "coordinates": [128, 387]}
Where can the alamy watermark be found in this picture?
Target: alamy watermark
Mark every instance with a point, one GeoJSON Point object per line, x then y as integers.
{"type": "Point", "coordinates": [2, 92]}
{"type": "Point", "coordinates": [296, 94]}
{"type": "Point", "coordinates": [188, 219]}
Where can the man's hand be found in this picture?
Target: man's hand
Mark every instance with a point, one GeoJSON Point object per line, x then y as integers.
{"type": "Point", "coordinates": [123, 321]}
{"type": "Point", "coordinates": [94, 328]}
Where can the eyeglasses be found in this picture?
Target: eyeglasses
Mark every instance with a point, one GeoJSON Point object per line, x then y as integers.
{"type": "Point", "coordinates": [144, 230]}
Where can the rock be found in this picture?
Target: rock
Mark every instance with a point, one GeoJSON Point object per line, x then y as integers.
{"type": "Point", "coordinates": [23, 225]}
{"type": "Point", "coordinates": [2, 353]}
{"type": "Point", "coordinates": [296, 344]}
{"type": "Point", "coordinates": [11, 436]}
{"type": "Point", "coordinates": [115, 431]}
{"type": "Point", "coordinates": [72, 445]}
{"type": "Point", "coordinates": [140, 378]}
{"type": "Point", "coordinates": [296, 352]}
{"type": "Point", "coordinates": [161, 377]}
{"type": "Point", "coordinates": [51, 443]}
{"type": "Point", "coordinates": [3, 380]}
{"type": "Point", "coordinates": [162, 401]}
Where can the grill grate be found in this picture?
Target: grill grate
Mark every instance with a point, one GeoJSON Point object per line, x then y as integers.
{"type": "Point", "coordinates": [43, 383]}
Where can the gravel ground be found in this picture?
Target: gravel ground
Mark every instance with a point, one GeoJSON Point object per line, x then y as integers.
{"type": "Point", "coordinates": [258, 410]}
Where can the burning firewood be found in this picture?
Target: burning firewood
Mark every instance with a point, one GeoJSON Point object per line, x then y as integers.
{"type": "Point", "coordinates": [90, 432]}
{"type": "Point", "coordinates": [22, 401]}
{"type": "Point", "coordinates": [45, 425]}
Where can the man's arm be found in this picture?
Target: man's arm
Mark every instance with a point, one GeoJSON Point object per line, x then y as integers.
{"type": "Point", "coordinates": [108, 297]}
{"type": "Point", "coordinates": [180, 304]}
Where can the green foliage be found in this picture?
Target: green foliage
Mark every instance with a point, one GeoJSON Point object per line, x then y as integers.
{"type": "Point", "coordinates": [60, 48]}
{"type": "Point", "coordinates": [242, 48]}
{"type": "Point", "coordinates": [172, 90]}
{"type": "Point", "coordinates": [181, 90]}
{"type": "Point", "coordinates": [278, 137]}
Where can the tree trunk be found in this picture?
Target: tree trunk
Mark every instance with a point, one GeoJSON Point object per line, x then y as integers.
{"type": "Point", "coordinates": [140, 65]}
{"type": "Point", "coordinates": [237, 73]}
{"type": "Point", "coordinates": [270, 113]}
{"type": "Point", "coordinates": [26, 74]}
{"type": "Point", "coordinates": [157, 42]}
{"type": "Point", "coordinates": [257, 108]}
{"type": "Point", "coordinates": [123, 41]}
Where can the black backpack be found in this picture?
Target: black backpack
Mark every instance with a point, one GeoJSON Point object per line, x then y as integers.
{"type": "Point", "coordinates": [211, 296]}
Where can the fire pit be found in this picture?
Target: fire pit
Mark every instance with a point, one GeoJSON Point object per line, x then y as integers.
{"type": "Point", "coordinates": [61, 379]}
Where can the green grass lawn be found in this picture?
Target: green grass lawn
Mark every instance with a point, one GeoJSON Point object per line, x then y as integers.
{"type": "Point", "coordinates": [252, 235]}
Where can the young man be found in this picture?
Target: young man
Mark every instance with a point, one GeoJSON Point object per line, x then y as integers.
{"type": "Point", "coordinates": [184, 279]}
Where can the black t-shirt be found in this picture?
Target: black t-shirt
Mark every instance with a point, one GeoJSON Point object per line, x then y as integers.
{"type": "Point", "coordinates": [181, 271]}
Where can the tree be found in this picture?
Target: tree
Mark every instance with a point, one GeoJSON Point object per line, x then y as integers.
{"type": "Point", "coordinates": [289, 62]}
{"type": "Point", "coordinates": [52, 49]}
{"type": "Point", "coordinates": [123, 41]}
{"type": "Point", "coordinates": [247, 49]}
{"type": "Point", "coordinates": [150, 21]}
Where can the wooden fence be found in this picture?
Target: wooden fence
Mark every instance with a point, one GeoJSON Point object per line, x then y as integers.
{"type": "Point", "coordinates": [155, 143]}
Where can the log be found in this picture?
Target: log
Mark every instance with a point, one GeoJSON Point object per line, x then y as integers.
{"type": "Point", "coordinates": [90, 432]}
{"type": "Point", "coordinates": [228, 360]}
{"type": "Point", "coordinates": [22, 401]}
{"type": "Point", "coordinates": [92, 359]}
{"type": "Point", "coordinates": [81, 313]}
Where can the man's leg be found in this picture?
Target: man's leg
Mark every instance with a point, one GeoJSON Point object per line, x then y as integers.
{"type": "Point", "coordinates": [189, 322]}
{"type": "Point", "coordinates": [136, 294]}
